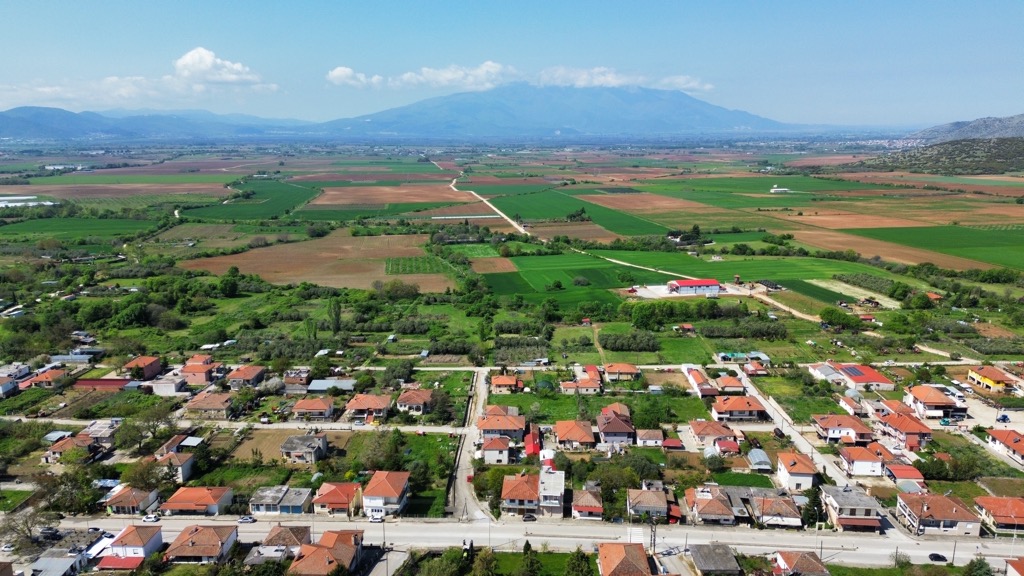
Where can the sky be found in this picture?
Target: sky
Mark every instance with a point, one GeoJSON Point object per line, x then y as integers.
{"type": "Point", "coordinates": [864, 63]}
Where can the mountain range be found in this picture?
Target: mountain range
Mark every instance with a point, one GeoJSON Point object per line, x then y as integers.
{"type": "Point", "coordinates": [510, 112]}
{"type": "Point", "coordinates": [1006, 127]}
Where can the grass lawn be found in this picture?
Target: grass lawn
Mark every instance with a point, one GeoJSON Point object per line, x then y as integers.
{"type": "Point", "coordinates": [966, 491]}
{"type": "Point", "coordinates": [740, 479]}
{"type": "Point", "coordinates": [552, 564]}
{"type": "Point", "coordinates": [656, 455]}
{"type": "Point", "coordinates": [25, 401]}
{"type": "Point", "coordinates": [429, 503]}
{"type": "Point", "coordinates": [932, 570]}
{"type": "Point", "coordinates": [1004, 486]}
{"type": "Point", "coordinates": [10, 499]}
{"type": "Point", "coordinates": [790, 394]}
{"type": "Point", "coordinates": [242, 478]}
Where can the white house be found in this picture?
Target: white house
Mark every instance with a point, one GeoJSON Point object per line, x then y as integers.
{"type": "Point", "coordinates": [796, 471]}
{"type": "Point", "coordinates": [1007, 442]}
{"type": "Point", "coordinates": [131, 547]}
{"type": "Point", "coordinates": [860, 461]}
{"type": "Point", "coordinates": [653, 437]}
{"type": "Point", "coordinates": [552, 492]}
{"type": "Point", "coordinates": [386, 493]}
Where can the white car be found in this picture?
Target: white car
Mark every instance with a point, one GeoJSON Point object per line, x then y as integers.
{"type": "Point", "coordinates": [376, 519]}
{"type": "Point", "coordinates": [150, 518]}
{"type": "Point", "coordinates": [8, 548]}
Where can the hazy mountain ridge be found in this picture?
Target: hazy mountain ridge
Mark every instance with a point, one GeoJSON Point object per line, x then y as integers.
{"type": "Point", "coordinates": [991, 127]}
{"type": "Point", "coordinates": [957, 157]}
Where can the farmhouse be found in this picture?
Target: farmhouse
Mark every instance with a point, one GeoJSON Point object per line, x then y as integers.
{"type": "Point", "coordinates": [733, 408]}
{"type": "Point", "coordinates": [688, 287]}
{"type": "Point", "coordinates": [520, 494]}
{"type": "Point", "coordinates": [574, 434]}
{"type": "Point", "coordinates": [850, 509]}
{"type": "Point", "coordinates": [243, 376]}
{"type": "Point", "coordinates": [314, 409]}
{"type": "Point", "coordinates": [209, 500]}
{"type": "Point", "coordinates": [1007, 442]}
{"type": "Point", "coordinates": [936, 514]}
{"type": "Point", "coordinates": [505, 384]}
{"type": "Point", "coordinates": [841, 428]}
{"type": "Point", "coordinates": [202, 544]}
{"type": "Point", "coordinates": [990, 378]}
{"type": "Point", "coordinates": [338, 498]}
{"type": "Point", "coordinates": [796, 471]}
{"type": "Point", "coordinates": [853, 376]}
{"type": "Point", "coordinates": [148, 367]}
{"type": "Point", "coordinates": [414, 401]}
{"type": "Point", "coordinates": [210, 405]}
{"type": "Point", "coordinates": [386, 493]}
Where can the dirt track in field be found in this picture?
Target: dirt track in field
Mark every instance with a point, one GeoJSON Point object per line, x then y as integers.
{"type": "Point", "coordinates": [867, 247]}
{"type": "Point", "coordinates": [362, 195]}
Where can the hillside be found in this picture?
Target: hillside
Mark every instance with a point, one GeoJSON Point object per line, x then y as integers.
{"type": "Point", "coordinates": [1007, 127]}
{"type": "Point", "coordinates": [959, 157]}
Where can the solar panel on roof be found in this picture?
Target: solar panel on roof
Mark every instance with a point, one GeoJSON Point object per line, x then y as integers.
{"type": "Point", "coordinates": [852, 370]}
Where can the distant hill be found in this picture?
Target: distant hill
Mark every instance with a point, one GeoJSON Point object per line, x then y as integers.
{"type": "Point", "coordinates": [1007, 127]}
{"type": "Point", "coordinates": [959, 157]}
{"type": "Point", "coordinates": [511, 112]}
{"type": "Point", "coordinates": [556, 112]}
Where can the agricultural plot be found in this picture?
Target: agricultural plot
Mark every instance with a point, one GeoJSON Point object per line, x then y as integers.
{"type": "Point", "coordinates": [996, 246]}
{"type": "Point", "coordinates": [73, 228]}
{"type": "Point", "coordinates": [323, 212]}
{"type": "Point", "coordinates": [824, 295]}
{"type": "Point", "coordinates": [416, 265]}
{"type": "Point", "coordinates": [504, 189]}
{"type": "Point", "coordinates": [111, 177]}
{"type": "Point", "coordinates": [475, 250]}
{"type": "Point", "coordinates": [154, 202]}
{"type": "Point", "coordinates": [555, 204]}
{"type": "Point", "coordinates": [272, 199]}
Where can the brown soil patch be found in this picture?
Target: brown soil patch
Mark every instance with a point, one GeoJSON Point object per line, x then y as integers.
{"type": "Point", "coordinates": [268, 442]}
{"type": "Point", "coordinates": [993, 330]}
{"type": "Point", "coordinates": [80, 191]}
{"type": "Point", "coordinates": [869, 247]}
{"type": "Point", "coordinates": [471, 209]}
{"type": "Point", "coordinates": [840, 220]}
{"type": "Point", "coordinates": [581, 230]}
{"type": "Point", "coordinates": [492, 265]}
{"type": "Point", "coordinates": [389, 195]}
{"type": "Point", "coordinates": [645, 203]}
{"type": "Point", "coordinates": [828, 160]}
{"type": "Point", "coordinates": [337, 260]}
{"type": "Point", "coordinates": [356, 176]}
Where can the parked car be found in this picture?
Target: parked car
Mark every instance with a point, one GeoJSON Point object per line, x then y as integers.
{"type": "Point", "coordinates": [778, 433]}
{"type": "Point", "coordinates": [529, 518]}
{"type": "Point", "coordinates": [376, 519]}
{"type": "Point", "coordinates": [150, 518]}
{"type": "Point", "coordinates": [94, 529]}
{"type": "Point", "coordinates": [246, 520]}
{"type": "Point", "coordinates": [108, 535]}
{"type": "Point", "coordinates": [1003, 418]}
{"type": "Point", "coordinates": [8, 548]}
{"type": "Point", "coordinates": [936, 557]}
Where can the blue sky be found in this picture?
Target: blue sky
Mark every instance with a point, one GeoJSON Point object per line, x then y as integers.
{"type": "Point", "coordinates": [858, 63]}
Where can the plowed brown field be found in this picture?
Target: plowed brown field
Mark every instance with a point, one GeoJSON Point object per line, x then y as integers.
{"type": "Point", "coordinates": [390, 195]}
{"type": "Point", "coordinates": [582, 230]}
{"type": "Point", "coordinates": [73, 191]}
{"type": "Point", "coordinates": [492, 265]}
{"type": "Point", "coordinates": [868, 247]}
{"type": "Point", "coordinates": [645, 203]}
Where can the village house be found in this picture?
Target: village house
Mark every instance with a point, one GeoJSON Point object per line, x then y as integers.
{"type": "Point", "coordinates": [131, 501]}
{"type": "Point", "coordinates": [860, 461]}
{"type": "Point", "coordinates": [211, 405]}
{"type": "Point", "coordinates": [148, 367]}
{"type": "Point", "coordinates": [102, 432]}
{"type": "Point", "coordinates": [774, 510]}
{"type": "Point", "coordinates": [131, 547]}
{"type": "Point", "coordinates": [852, 406]}
{"type": "Point", "coordinates": [496, 451]}
{"type": "Point", "coordinates": [574, 435]}
{"type": "Point", "coordinates": [246, 376]}
{"type": "Point", "coordinates": [308, 449]}
{"type": "Point", "coordinates": [338, 498]}
{"type": "Point", "coordinates": [83, 444]}
{"type": "Point", "coordinates": [699, 382]}
{"type": "Point", "coordinates": [387, 493]}
{"type": "Point", "coordinates": [209, 500]}
{"type": "Point", "coordinates": [199, 372]}
{"type": "Point", "coordinates": [505, 384]}
{"type": "Point", "coordinates": [615, 426]}
{"type": "Point", "coordinates": [621, 371]}
{"type": "Point", "coordinates": [990, 378]}
{"type": "Point", "coordinates": [315, 409]}
{"type": "Point", "coordinates": [755, 368]}
{"type": "Point", "coordinates": [849, 509]}
{"type": "Point", "coordinates": [551, 491]}
{"type": "Point", "coordinates": [892, 406]}
{"type": "Point", "coordinates": [587, 505]}
{"type": "Point", "coordinates": [583, 387]}
{"type": "Point", "coordinates": [520, 494]}
{"type": "Point", "coordinates": [166, 386]}
{"type": "Point", "coordinates": [930, 402]}
{"type": "Point", "coordinates": [202, 544]}
{"type": "Point", "coordinates": [652, 502]}
{"type": "Point", "coordinates": [730, 385]}
{"type": "Point", "coordinates": [499, 421]}
{"type": "Point", "coordinates": [297, 377]}
{"type": "Point", "coordinates": [936, 514]}
{"type": "Point", "coordinates": [1009, 443]}
{"type": "Point", "coordinates": [280, 544]}
{"type": "Point", "coordinates": [710, 504]}
{"type": "Point", "coordinates": [1001, 513]}
{"type": "Point", "coordinates": [415, 401]}
{"type": "Point", "coordinates": [618, 559]}
{"type": "Point", "coordinates": [45, 379]}
{"type": "Point", "coordinates": [908, 432]}
{"type": "Point", "coordinates": [904, 475]}
{"type": "Point", "coordinates": [853, 376]}
{"type": "Point", "coordinates": [706, 432]}
{"type": "Point", "coordinates": [653, 437]}
{"type": "Point", "coordinates": [796, 471]}
{"type": "Point", "coordinates": [337, 552]}
{"type": "Point", "coordinates": [842, 428]}
{"type": "Point", "coordinates": [592, 372]}
{"type": "Point", "coordinates": [368, 408]}
{"type": "Point", "coordinates": [738, 408]}
{"type": "Point", "coordinates": [280, 500]}
{"type": "Point", "coordinates": [179, 464]}
{"type": "Point", "coordinates": [798, 563]}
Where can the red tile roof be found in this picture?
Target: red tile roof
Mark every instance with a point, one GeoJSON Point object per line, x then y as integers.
{"type": "Point", "coordinates": [195, 498]}
{"type": "Point", "coordinates": [337, 494]}
{"type": "Point", "coordinates": [200, 542]}
{"type": "Point", "coordinates": [500, 422]}
{"type": "Point", "coordinates": [938, 506]}
{"type": "Point", "coordinates": [521, 487]}
{"type": "Point", "coordinates": [506, 381]}
{"type": "Point", "coordinates": [621, 368]}
{"type": "Point", "coordinates": [1004, 510]}
{"type": "Point", "coordinates": [796, 463]}
{"type": "Point", "coordinates": [141, 362]}
{"type": "Point", "coordinates": [931, 395]}
{"type": "Point", "coordinates": [616, 559]}
{"type": "Point", "coordinates": [574, 431]}
{"type": "Point", "coordinates": [209, 401]}
{"type": "Point", "coordinates": [993, 373]}
{"type": "Point", "coordinates": [905, 423]}
{"type": "Point", "coordinates": [134, 535]}
{"type": "Point", "coordinates": [498, 443]}
{"type": "Point", "coordinates": [829, 421]}
{"type": "Point", "coordinates": [386, 484]}
{"type": "Point", "coordinates": [1009, 438]}
{"type": "Point", "coordinates": [737, 404]}
{"type": "Point", "coordinates": [246, 372]}
{"type": "Point", "coordinates": [368, 402]}
{"type": "Point", "coordinates": [112, 562]}
{"type": "Point", "coordinates": [312, 405]}
{"type": "Point", "coordinates": [415, 397]}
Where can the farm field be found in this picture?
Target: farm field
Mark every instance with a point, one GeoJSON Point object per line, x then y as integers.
{"type": "Point", "coordinates": [403, 194]}
{"type": "Point", "coordinates": [111, 177]}
{"type": "Point", "coordinates": [272, 199]}
{"type": "Point", "coordinates": [72, 228]}
{"type": "Point", "coordinates": [416, 265]}
{"type": "Point", "coordinates": [326, 212]}
{"type": "Point", "coordinates": [824, 295]}
{"type": "Point", "coordinates": [556, 204]}
{"type": "Point", "coordinates": [994, 245]}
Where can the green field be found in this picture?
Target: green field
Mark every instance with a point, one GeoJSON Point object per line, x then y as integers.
{"type": "Point", "coordinates": [416, 265]}
{"type": "Point", "coordinates": [475, 250]}
{"type": "Point", "coordinates": [749, 268]}
{"type": "Point", "coordinates": [741, 479]}
{"type": "Point", "coordinates": [105, 177]}
{"type": "Point", "coordinates": [11, 499]}
{"type": "Point", "coordinates": [71, 228]}
{"type": "Point", "coordinates": [328, 212]}
{"type": "Point", "coordinates": [150, 201]}
{"type": "Point", "coordinates": [817, 292]}
{"type": "Point", "coordinates": [503, 190]}
{"type": "Point", "coordinates": [995, 246]}
{"type": "Point", "coordinates": [555, 204]}
{"type": "Point", "coordinates": [272, 199]}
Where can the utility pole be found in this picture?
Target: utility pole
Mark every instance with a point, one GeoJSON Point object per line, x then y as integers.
{"type": "Point", "coordinates": [654, 533]}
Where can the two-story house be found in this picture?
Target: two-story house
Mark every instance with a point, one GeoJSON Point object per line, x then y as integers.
{"type": "Point", "coordinates": [860, 461]}
{"type": "Point", "coordinates": [143, 367]}
{"type": "Point", "coordinates": [213, 405]}
{"type": "Point", "coordinates": [1002, 513]}
{"type": "Point", "coordinates": [202, 544]}
{"type": "Point", "coordinates": [368, 408]}
{"type": "Point", "coordinates": [307, 449]}
{"type": "Point", "coordinates": [617, 371]}
{"type": "Point", "coordinates": [849, 509]}
{"type": "Point", "coordinates": [387, 493]}
{"type": "Point", "coordinates": [415, 401]}
{"type": "Point", "coordinates": [574, 435]}
{"type": "Point", "coordinates": [551, 491]}
{"type": "Point", "coordinates": [796, 471]}
{"type": "Point", "coordinates": [706, 432]}
{"type": "Point", "coordinates": [496, 450]}
{"type": "Point", "coordinates": [338, 498]}
{"type": "Point", "coordinates": [520, 494]}
{"type": "Point", "coordinates": [907, 430]}
{"type": "Point", "coordinates": [179, 464]}
{"type": "Point", "coordinates": [1010, 443]}
{"type": "Point", "coordinates": [738, 408]}
{"type": "Point", "coordinates": [246, 376]}
{"type": "Point", "coordinates": [615, 426]}
{"type": "Point", "coordinates": [990, 378]}
{"type": "Point", "coordinates": [505, 384]}
{"type": "Point", "coordinates": [936, 514]}
{"type": "Point", "coordinates": [498, 422]}
{"type": "Point", "coordinates": [930, 402]}
{"type": "Point", "coordinates": [131, 547]}
{"type": "Point", "coordinates": [337, 552]}
{"type": "Point", "coordinates": [842, 428]}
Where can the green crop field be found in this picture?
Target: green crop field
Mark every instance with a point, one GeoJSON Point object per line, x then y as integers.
{"type": "Point", "coordinates": [555, 204]}
{"type": "Point", "coordinates": [762, 184]}
{"type": "Point", "coordinates": [151, 201]}
{"type": "Point", "coordinates": [68, 228]}
{"type": "Point", "coordinates": [272, 199]}
{"type": "Point", "coordinates": [502, 189]}
{"type": "Point", "coordinates": [105, 177]}
{"type": "Point", "coordinates": [1000, 247]}
{"type": "Point", "coordinates": [817, 292]}
{"type": "Point", "coordinates": [329, 212]}
{"type": "Point", "coordinates": [416, 265]}
{"type": "Point", "coordinates": [475, 250]}
{"type": "Point", "coordinates": [748, 267]}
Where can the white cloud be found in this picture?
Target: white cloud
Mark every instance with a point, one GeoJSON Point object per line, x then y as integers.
{"type": "Point", "coordinates": [586, 77]}
{"type": "Point", "coordinates": [202, 66]}
{"type": "Point", "coordinates": [483, 77]}
{"type": "Point", "coordinates": [683, 83]}
{"type": "Point", "coordinates": [345, 76]}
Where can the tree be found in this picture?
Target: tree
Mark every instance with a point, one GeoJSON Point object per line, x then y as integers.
{"type": "Point", "coordinates": [813, 511]}
{"type": "Point", "coordinates": [420, 476]}
{"type": "Point", "coordinates": [978, 567]}
{"type": "Point", "coordinates": [578, 564]}
{"type": "Point", "coordinates": [130, 434]}
{"type": "Point", "coordinates": [22, 525]}
{"type": "Point", "coordinates": [485, 564]}
{"type": "Point", "coordinates": [145, 474]}
{"type": "Point", "coordinates": [158, 416]}
{"type": "Point", "coordinates": [320, 368]}
{"type": "Point", "coordinates": [714, 463]}
{"type": "Point", "coordinates": [334, 314]}
{"type": "Point", "coordinates": [229, 286]}
{"type": "Point", "coordinates": [530, 564]}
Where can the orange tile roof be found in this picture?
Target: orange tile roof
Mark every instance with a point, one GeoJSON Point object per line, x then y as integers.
{"type": "Point", "coordinates": [931, 395]}
{"type": "Point", "coordinates": [1009, 438]}
{"type": "Point", "coordinates": [198, 368]}
{"type": "Point", "coordinates": [506, 381]}
{"type": "Point", "coordinates": [616, 408]}
{"type": "Point", "coordinates": [858, 454]}
{"type": "Point", "coordinates": [651, 434]}
{"type": "Point", "coordinates": [287, 536]}
{"type": "Point", "coordinates": [729, 382]}
{"type": "Point", "coordinates": [881, 451]}
{"type": "Point", "coordinates": [738, 403]}
{"type": "Point", "coordinates": [210, 401]}
{"type": "Point", "coordinates": [828, 421]}
{"type": "Point", "coordinates": [246, 372]}
{"type": "Point", "coordinates": [176, 459]}
{"type": "Point", "coordinates": [796, 463]}
{"type": "Point", "coordinates": [582, 384]}
{"type": "Point", "coordinates": [312, 405]}
{"type": "Point", "coordinates": [134, 535]}
{"type": "Point", "coordinates": [574, 431]}
{"type": "Point", "coordinates": [199, 359]}
{"type": "Point", "coordinates": [500, 422]}
{"type": "Point", "coordinates": [141, 362]}
{"type": "Point", "coordinates": [587, 500]}
{"type": "Point", "coordinates": [415, 397]}
{"type": "Point", "coordinates": [992, 373]}
{"type": "Point", "coordinates": [336, 548]}
{"type": "Point", "coordinates": [521, 487]}
{"type": "Point", "coordinates": [905, 423]}
{"type": "Point", "coordinates": [702, 428]}
{"type": "Point", "coordinates": [1017, 564]}
{"type": "Point", "coordinates": [337, 493]}
{"type": "Point", "coordinates": [368, 402]}
{"type": "Point", "coordinates": [386, 484]}
{"type": "Point", "coordinates": [200, 541]}
{"type": "Point", "coordinates": [940, 507]}
{"type": "Point", "coordinates": [128, 496]}
{"type": "Point", "coordinates": [897, 407]}
{"type": "Point", "coordinates": [621, 368]}
{"type": "Point", "coordinates": [197, 497]}
{"type": "Point", "coordinates": [497, 443]}
{"type": "Point", "coordinates": [617, 559]}
{"type": "Point", "coordinates": [70, 442]}
{"type": "Point", "coordinates": [805, 563]}
{"type": "Point", "coordinates": [497, 410]}
{"type": "Point", "coordinates": [1005, 510]}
